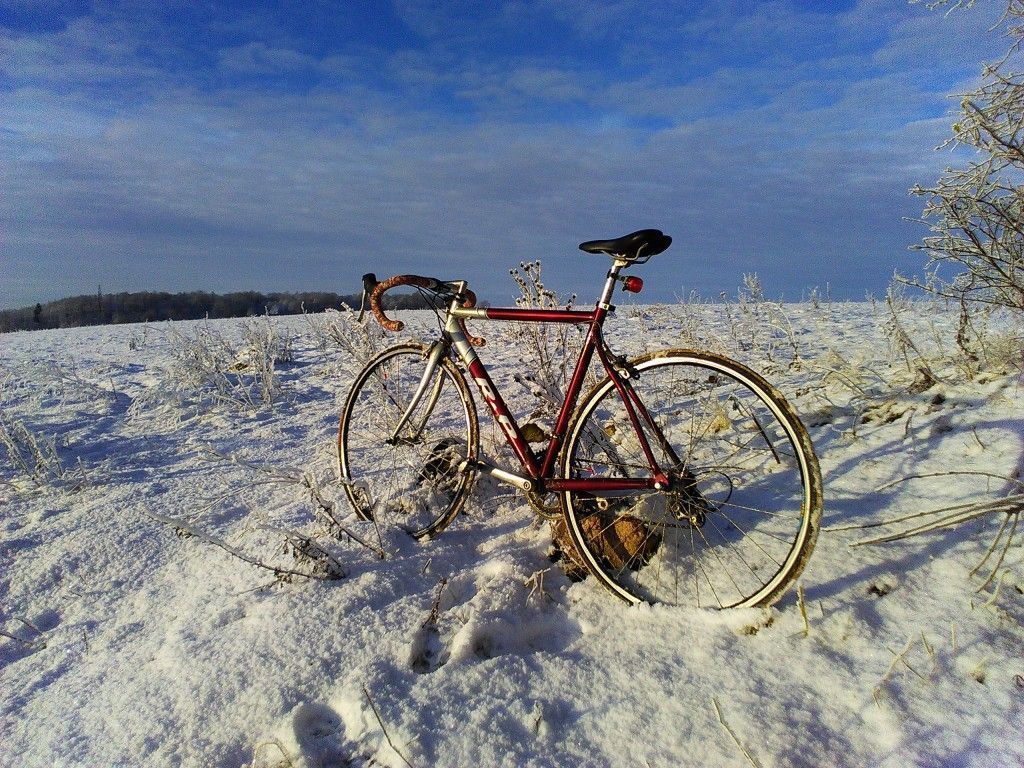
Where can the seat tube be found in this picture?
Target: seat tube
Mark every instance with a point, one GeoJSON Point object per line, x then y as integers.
{"type": "Point", "coordinates": [593, 341]}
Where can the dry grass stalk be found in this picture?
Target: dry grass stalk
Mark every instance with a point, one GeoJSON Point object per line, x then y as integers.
{"type": "Point", "coordinates": [725, 725]}
{"type": "Point", "coordinates": [326, 569]}
{"type": "Point", "coordinates": [384, 729]}
{"type": "Point", "coordinates": [803, 608]}
{"type": "Point", "coordinates": [284, 762]}
{"type": "Point", "coordinates": [325, 509]}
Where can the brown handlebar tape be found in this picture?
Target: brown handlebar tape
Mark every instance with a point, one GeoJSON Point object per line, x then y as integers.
{"type": "Point", "coordinates": [387, 285]}
{"type": "Point", "coordinates": [421, 282]}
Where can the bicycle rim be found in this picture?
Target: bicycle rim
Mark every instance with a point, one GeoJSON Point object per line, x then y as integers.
{"type": "Point", "coordinates": [412, 481]}
{"type": "Point", "coordinates": [741, 519]}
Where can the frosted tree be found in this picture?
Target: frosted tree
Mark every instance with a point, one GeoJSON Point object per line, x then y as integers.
{"type": "Point", "coordinates": [976, 213]}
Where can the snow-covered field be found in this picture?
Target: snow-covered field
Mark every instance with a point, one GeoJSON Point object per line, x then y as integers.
{"type": "Point", "coordinates": [129, 642]}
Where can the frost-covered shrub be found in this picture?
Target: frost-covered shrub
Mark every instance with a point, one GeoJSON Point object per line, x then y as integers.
{"type": "Point", "coordinates": [263, 349]}
{"type": "Point", "coordinates": [762, 326]}
{"type": "Point", "coordinates": [901, 344]}
{"type": "Point", "coordinates": [35, 457]}
{"type": "Point", "coordinates": [206, 369]}
{"type": "Point", "coordinates": [548, 350]}
{"type": "Point", "coordinates": [755, 330]}
{"type": "Point", "coordinates": [341, 331]}
{"type": "Point", "coordinates": [976, 212]}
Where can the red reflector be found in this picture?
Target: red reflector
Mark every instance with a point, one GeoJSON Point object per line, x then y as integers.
{"type": "Point", "coordinates": [633, 284]}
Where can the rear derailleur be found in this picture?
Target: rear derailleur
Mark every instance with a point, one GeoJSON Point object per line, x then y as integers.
{"type": "Point", "coordinates": [686, 502]}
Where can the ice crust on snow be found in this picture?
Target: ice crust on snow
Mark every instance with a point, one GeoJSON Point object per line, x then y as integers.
{"type": "Point", "coordinates": [127, 645]}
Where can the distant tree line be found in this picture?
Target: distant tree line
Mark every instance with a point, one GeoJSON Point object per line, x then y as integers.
{"type": "Point", "coordinates": [150, 306]}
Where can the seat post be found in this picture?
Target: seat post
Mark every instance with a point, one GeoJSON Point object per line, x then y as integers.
{"type": "Point", "coordinates": [609, 284]}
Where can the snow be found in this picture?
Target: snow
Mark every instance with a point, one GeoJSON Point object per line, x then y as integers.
{"type": "Point", "coordinates": [127, 644]}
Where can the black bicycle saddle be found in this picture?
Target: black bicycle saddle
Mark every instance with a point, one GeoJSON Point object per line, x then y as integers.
{"type": "Point", "coordinates": [637, 246]}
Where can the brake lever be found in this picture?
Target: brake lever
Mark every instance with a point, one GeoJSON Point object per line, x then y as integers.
{"type": "Point", "coordinates": [369, 283]}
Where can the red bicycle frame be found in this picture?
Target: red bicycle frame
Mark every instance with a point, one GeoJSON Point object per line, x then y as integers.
{"type": "Point", "coordinates": [539, 469]}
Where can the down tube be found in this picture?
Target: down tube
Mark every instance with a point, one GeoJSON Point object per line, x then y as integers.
{"type": "Point", "coordinates": [505, 419]}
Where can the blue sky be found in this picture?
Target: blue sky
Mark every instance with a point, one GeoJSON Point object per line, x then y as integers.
{"type": "Point", "coordinates": [235, 146]}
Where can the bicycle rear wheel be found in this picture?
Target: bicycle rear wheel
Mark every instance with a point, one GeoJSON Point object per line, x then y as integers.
{"type": "Point", "coordinates": [412, 479]}
{"type": "Point", "coordinates": [740, 519]}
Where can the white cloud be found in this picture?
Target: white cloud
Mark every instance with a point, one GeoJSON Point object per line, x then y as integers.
{"type": "Point", "coordinates": [259, 58]}
{"type": "Point", "coordinates": [140, 176]}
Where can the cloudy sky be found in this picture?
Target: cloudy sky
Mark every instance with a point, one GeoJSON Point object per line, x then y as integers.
{"type": "Point", "coordinates": [228, 146]}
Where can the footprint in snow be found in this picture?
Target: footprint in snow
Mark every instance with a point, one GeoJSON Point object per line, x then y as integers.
{"type": "Point", "coordinates": [320, 734]}
{"type": "Point", "coordinates": [428, 651]}
{"type": "Point", "coordinates": [469, 624]}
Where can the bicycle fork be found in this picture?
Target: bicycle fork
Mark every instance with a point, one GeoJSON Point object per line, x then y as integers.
{"type": "Point", "coordinates": [435, 354]}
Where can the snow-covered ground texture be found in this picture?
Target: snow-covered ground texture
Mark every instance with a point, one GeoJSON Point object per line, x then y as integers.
{"type": "Point", "coordinates": [139, 462]}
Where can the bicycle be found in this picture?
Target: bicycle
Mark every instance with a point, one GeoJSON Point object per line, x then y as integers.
{"type": "Point", "coordinates": [683, 477]}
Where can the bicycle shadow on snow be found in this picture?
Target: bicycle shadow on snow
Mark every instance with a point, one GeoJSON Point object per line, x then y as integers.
{"type": "Point", "coordinates": [869, 509]}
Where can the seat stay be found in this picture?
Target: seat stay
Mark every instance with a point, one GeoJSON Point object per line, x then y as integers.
{"type": "Point", "coordinates": [631, 403]}
{"type": "Point", "coordinates": [659, 435]}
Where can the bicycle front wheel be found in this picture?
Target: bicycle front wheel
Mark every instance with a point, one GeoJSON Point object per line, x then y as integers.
{"type": "Point", "coordinates": [407, 477]}
{"type": "Point", "coordinates": [740, 518]}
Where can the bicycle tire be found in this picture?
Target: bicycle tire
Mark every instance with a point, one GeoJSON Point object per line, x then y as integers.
{"type": "Point", "coordinates": [412, 482]}
{"type": "Point", "coordinates": [745, 521]}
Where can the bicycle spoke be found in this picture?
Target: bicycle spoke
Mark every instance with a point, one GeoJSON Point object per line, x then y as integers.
{"type": "Point", "coordinates": [728, 571]}
{"type": "Point", "coordinates": [737, 485]}
{"type": "Point", "coordinates": [693, 557]}
{"type": "Point", "coordinates": [413, 480]}
{"type": "Point", "coordinates": [755, 542]}
{"type": "Point", "coordinates": [758, 510]}
{"type": "Point", "coordinates": [739, 555]}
